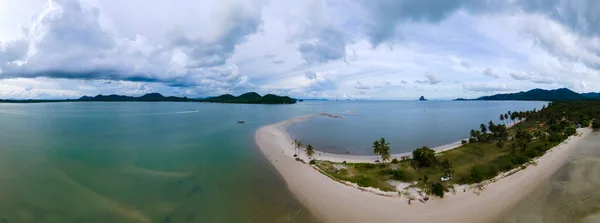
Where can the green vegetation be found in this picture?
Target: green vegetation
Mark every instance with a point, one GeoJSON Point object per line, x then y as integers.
{"type": "Point", "coordinates": [491, 150]}
{"type": "Point", "coordinates": [596, 123]}
{"type": "Point", "coordinates": [562, 94]}
{"type": "Point", "coordinates": [424, 157]}
{"type": "Point", "coordinates": [297, 145]}
{"type": "Point", "coordinates": [310, 151]}
{"type": "Point", "coordinates": [251, 98]}
{"type": "Point", "coordinates": [247, 98]}
{"type": "Point", "coordinates": [382, 148]}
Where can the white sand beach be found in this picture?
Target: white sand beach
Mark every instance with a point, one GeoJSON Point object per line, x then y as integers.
{"type": "Point", "coordinates": [332, 201]}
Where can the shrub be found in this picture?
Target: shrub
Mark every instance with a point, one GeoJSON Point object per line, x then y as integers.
{"type": "Point", "coordinates": [596, 123]}
{"type": "Point", "coordinates": [492, 172]}
{"type": "Point", "coordinates": [395, 160]}
{"type": "Point", "coordinates": [396, 174]}
{"type": "Point", "coordinates": [585, 123]}
{"type": "Point", "coordinates": [424, 156]}
{"type": "Point", "coordinates": [365, 165]}
{"type": "Point", "coordinates": [463, 141]}
{"type": "Point", "coordinates": [312, 162]}
{"type": "Point", "coordinates": [534, 153]}
{"type": "Point", "coordinates": [555, 137]}
{"type": "Point", "coordinates": [363, 181]}
{"type": "Point", "coordinates": [571, 131]}
{"type": "Point", "coordinates": [520, 159]}
{"type": "Point", "coordinates": [477, 175]}
{"type": "Point", "coordinates": [344, 162]}
{"type": "Point", "coordinates": [437, 189]}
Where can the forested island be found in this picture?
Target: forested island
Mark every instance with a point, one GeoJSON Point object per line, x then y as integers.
{"type": "Point", "coordinates": [562, 94]}
{"type": "Point", "coordinates": [247, 98]}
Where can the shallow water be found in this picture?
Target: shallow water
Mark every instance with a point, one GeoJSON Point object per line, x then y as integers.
{"type": "Point", "coordinates": [571, 195]}
{"type": "Point", "coordinates": [171, 162]}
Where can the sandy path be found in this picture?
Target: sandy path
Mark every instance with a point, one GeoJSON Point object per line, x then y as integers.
{"type": "Point", "coordinates": [332, 201]}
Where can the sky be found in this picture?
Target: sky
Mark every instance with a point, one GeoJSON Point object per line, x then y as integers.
{"type": "Point", "coordinates": [336, 49]}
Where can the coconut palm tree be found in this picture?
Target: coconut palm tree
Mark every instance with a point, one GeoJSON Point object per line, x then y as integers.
{"type": "Point", "coordinates": [448, 168]}
{"type": "Point", "coordinates": [483, 128]}
{"type": "Point", "coordinates": [377, 149]}
{"type": "Point", "coordinates": [384, 150]}
{"type": "Point", "coordinates": [300, 146]}
{"type": "Point", "coordinates": [296, 144]}
{"type": "Point", "coordinates": [502, 118]}
{"type": "Point", "coordinates": [310, 151]}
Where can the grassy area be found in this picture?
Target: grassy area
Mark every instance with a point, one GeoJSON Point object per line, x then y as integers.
{"type": "Point", "coordinates": [370, 174]}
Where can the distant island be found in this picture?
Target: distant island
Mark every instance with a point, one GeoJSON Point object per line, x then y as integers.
{"type": "Point", "coordinates": [422, 98]}
{"type": "Point", "coordinates": [561, 94]}
{"type": "Point", "coordinates": [247, 98]}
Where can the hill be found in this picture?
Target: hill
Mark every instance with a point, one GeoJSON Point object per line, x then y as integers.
{"type": "Point", "coordinates": [247, 98]}
{"type": "Point", "coordinates": [591, 95]}
{"type": "Point", "coordinates": [251, 98]}
{"type": "Point", "coordinates": [562, 94]}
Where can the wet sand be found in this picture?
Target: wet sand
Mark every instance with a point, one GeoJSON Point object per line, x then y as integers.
{"type": "Point", "coordinates": [570, 195]}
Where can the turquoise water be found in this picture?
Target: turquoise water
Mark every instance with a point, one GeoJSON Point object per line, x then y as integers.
{"type": "Point", "coordinates": [186, 162]}
{"type": "Point", "coordinates": [407, 125]}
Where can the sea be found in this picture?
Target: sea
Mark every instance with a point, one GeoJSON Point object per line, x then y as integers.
{"type": "Point", "coordinates": [193, 162]}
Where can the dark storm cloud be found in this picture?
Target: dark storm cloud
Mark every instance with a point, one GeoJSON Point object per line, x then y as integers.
{"type": "Point", "coordinates": [329, 46]}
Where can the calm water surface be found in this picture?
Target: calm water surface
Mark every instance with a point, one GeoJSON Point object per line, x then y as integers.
{"type": "Point", "coordinates": [407, 125]}
{"type": "Point", "coordinates": [190, 162]}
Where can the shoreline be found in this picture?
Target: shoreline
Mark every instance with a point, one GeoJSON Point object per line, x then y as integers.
{"type": "Point", "coordinates": [333, 201]}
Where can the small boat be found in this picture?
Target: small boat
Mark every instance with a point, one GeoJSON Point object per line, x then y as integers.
{"type": "Point", "coordinates": [241, 122]}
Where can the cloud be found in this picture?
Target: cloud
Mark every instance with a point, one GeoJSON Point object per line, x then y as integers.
{"type": "Point", "coordinates": [322, 84]}
{"type": "Point", "coordinates": [486, 87]}
{"type": "Point", "coordinates": [206, 47]}
{"type": "Point", "coordinates": [490, 73]}
{"type": "Point", "coordinates": [432, 79]}
{"type": "Point", "coordinates": [543, 80]}
{"type": "Point", "coordinates": [520, 76]}
{"type": "Point", "coordinates": [67, 40]}
{"type": "Point", "coordinates": [360, 86]}
{"type": "Point", "coordinates": [310, 75]}
{"type": "Point", "coordinates": [465, 64]}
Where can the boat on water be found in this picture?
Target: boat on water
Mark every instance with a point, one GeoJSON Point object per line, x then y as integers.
{"type": "Point", "coordinates": [241, 122]}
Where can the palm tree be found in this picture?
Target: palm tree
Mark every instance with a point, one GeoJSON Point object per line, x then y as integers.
{"type": "Point", "coordinates": [299, 146]}
{"type": "Point", "coordinates": [448, 168]}
{"type": "Point", "coordinates": [502, 118]}
{"type": "Point", "coordinates": [506, 117]}
{"type": "Point", "coordinates": [425, 179]}
{"type": "Point", "coordinates": [384, 150]}
{"type": "Point", "coordinates": [295, 143]}
{"type": "Point", "coordinates": [310, 151]}
{"type": "Point", "coordinates": [483, 128]}
{"type": "Point", "coordinates": [377, 149]}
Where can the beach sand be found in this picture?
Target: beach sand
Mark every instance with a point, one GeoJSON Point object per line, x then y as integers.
{"type": "Point", "coordinates": [332, 201]}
